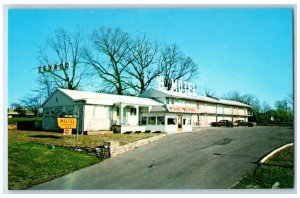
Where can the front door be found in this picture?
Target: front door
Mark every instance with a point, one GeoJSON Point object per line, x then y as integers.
{"type": "Point", "coordinates": [179, 122]}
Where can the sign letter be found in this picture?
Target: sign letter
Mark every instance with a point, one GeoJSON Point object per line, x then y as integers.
{"type": "Point", "coordinates": [174, 85]}
{"type": "Point", "coordinates": [160, 81]}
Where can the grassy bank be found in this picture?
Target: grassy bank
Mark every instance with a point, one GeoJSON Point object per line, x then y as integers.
{"type": "Point", "coordinates": [276, 172]}
{"type": "Point", "coordinates": [30, 163]}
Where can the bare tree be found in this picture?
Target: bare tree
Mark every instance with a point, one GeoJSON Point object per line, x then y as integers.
{"type": "Point", "coordinates": [17, 107]}
{"type": "Point", "coordinates": [247, 99]}
{"type": "Point", "coordinates": [143, 68]}
{"type": "Point", "coordinates": [44, 88]}
{"type": "Point", "coordinates": [290, 100]}
{"type": "Point", "coordinates": [31, 102]}
{"type": "Point", "coordinates": [234, 95]}
{"type": "Point", "coordinates": [110, 58]}
{"type": "Point", "coordinates": [61, 48]}
{"type": "Point", "coordinates": [265, 107]}
{"type": "Point", "coordinates": [209, 93]}
{"type": "Point", "coordinates": [175, 65]}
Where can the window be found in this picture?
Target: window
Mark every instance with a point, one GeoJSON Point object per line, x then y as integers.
{"type": "Point", "coordinates": [118, 111]}
{"type": "Point", "coordinates": [171, 121]}
{"type": "Point", "coordinates": [187, 121]}
{"type": "Point", "coordinates": [182, 102]}
{"type": "Point", "coordinates": [172, 100]}
{"type": "Point", "coordinates": [152, 120]}
{"type": "Point", "coordinates": [132, 111]}
{"type": "Point", "coordinates": [69, 110]}
{"type": "Point", "coordinates": [46, 111]}
{"type": "Point", "coordinates": [144, 121]}
{"type": "Point", "coordinates": [160, 120]}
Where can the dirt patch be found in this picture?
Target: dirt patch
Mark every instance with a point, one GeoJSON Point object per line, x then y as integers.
{"type": "Point", "coordinates": [46, 136]}
{"type": "Point", "coordinates": [12, 127]}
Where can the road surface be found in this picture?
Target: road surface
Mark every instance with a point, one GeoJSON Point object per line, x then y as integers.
{"type": "Point", "coordinates": [215, 158]}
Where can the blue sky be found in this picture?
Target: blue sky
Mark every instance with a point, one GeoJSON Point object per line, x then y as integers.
{"type": "Point", "coordinates": [238, 49]}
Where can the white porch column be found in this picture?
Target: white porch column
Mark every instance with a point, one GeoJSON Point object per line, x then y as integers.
{"type": "Point", "coordinates": [137, 113]}
{"type": "Point", "coordinates": [166, 120]}
{"type": "Point", "coordinates": [121, 111]}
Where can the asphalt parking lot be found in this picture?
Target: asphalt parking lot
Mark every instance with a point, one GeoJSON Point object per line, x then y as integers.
{"type": "Point", "coordinates": [211, 158]}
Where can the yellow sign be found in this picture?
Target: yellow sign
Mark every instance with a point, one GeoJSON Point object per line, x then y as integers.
{"type": "Point", "coordinates": [66, 123]}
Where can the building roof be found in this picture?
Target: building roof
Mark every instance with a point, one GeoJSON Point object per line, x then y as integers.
{"type": "Point", "coordinates": [155, 93]}
{"type": "Point", "coordinates": [108, 99]}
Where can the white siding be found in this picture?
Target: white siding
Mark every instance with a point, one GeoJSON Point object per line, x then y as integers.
{"type": "Point", "coordinates": [210, 108]}
{"type": "Point", "coordinates": [211, 119]}
{"type": "Point", "coordinates": [58, 99]}
{"type": "Point", "coordinates": [194, 119]}
{"type": "Point", "coordinates": [191, 104]}
{"type": "Point", "coordinates": [57, 105]}
{"type": "Point", "coordinates": [202, 107]}
{"type": "Point", "coordinates": [227, 118]}
{"type": "Point", "coordinates": [131, 118]}
{"type": "Point", "coordinates": [220, 109]}
{"type": "Point", "coordinates": [241, 111]}
{"type": "Point", "coordinates": [97, 118]}
{"type": "Point", "coordinates": [220, 118]}
{"type": "Point", "coordinates": [227, 110]}
{"type": "Point", "coordinates": [235, 119]}
{"type": "Point", "coordinates": [235, 110]}
{"type": "Point", "coordinates": [203, 120]}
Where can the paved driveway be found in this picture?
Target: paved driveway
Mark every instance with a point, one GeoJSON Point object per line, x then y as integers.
{"type": "Point", "coordinates": [215, 158]}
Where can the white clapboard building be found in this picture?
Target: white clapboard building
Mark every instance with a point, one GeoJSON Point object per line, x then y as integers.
{"type": "Point", "coordinates": [154, 110]}
{"type": "Point", "coordinates": [96, 111]}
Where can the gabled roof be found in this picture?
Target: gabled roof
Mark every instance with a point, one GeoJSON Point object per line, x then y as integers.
{"type": "Point", "coordinates": [155, 93]}
{"type": "Point", "coordinates": [107, 99]}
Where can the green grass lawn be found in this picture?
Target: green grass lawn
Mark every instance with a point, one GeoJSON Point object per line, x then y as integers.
{"type": "Point", "coordinates": [30, 163]}
{"type": "Point", "coordinates": [278, 170]}
{"type": "Point", "coordinates": [16, 119]}
{"type": "Point", "coordinates": [59, 139]}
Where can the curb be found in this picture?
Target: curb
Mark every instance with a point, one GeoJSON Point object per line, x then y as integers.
{"type": "Point", "coordinates": [116, 149]}
{"type": "Point", "coordinates": [273, 152]}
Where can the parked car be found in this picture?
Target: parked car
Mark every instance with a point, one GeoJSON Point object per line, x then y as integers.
{"type": "Point", "coordinates": [244, 123]}
{"type": "Point", "coordinates": [226, 123]}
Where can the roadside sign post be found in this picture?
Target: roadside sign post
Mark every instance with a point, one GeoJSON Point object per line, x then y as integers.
{"type": "Point", "coordinates": [67, 124]}
{"type": "Point", "coordinates": [77, 123]}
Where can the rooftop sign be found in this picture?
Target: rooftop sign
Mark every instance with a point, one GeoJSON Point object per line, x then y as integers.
{"type": "Point", "coordinates": [178, 86]}
{"type": "Point", "coordinates": [55, 67]}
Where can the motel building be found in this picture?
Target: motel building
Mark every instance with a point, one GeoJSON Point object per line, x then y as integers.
{"type": "Point", "coordinates": [157, 109]}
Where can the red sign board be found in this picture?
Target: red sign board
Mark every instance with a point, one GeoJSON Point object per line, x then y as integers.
{"type": "Point", "coordinates": [67, 131]}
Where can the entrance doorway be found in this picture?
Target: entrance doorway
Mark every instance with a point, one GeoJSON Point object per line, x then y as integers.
{"type": "Point", "coordinates": [179, 123]}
